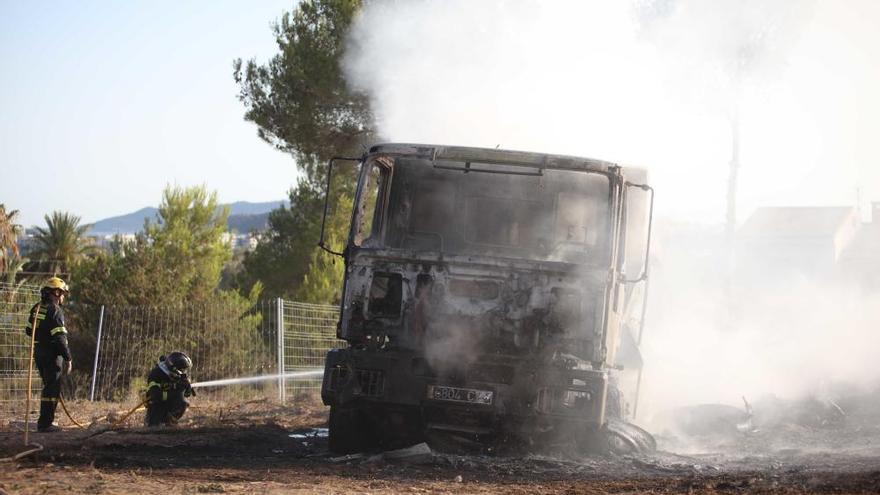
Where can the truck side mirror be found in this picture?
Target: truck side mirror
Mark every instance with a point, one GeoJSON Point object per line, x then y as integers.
{"type": "Point", "coordinates": [322, 242]}
{"type": "Point", "coordinates": [639, 218]}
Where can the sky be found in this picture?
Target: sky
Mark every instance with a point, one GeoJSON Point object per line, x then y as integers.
{"type": "Point", "coordinates": [102, 104]}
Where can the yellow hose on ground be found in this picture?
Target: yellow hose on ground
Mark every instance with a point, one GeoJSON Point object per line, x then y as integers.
{"type": "Point", "coordinates": [129, 413]}
{"type": "Point", "coordinates": [27, 409]}
{"type": "Point", "coordinates": [117, 422]}
{"type": "Point", "coordinates": [27, 412]}
{"type": "Point", "coordinates": [64, 407]}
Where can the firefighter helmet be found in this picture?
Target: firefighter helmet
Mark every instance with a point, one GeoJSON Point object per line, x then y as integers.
{"type": "Point", "coordinates": [178, 364]}
{"type": "Point", "coordinates": [56, 283]}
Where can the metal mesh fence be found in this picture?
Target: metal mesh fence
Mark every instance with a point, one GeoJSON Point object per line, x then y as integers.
{"type": "Point", "coordinates": [15, 303]}
{"type": "Point", "coordinates": [114, 347]}
{"type": "Point", "coordinates": [309, 331]}
{"type": "Point", "coordinates": [225, 339]}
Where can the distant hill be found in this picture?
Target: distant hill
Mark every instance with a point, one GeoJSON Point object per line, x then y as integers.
{"type": "Point", "coordinates": [124, 224]}
{"type": "Point", "coordinates": [245, 208]}
{"type": "Point", "coordinates": [243, 217]}
{"type": "Point", "coordinates": [244, 224]}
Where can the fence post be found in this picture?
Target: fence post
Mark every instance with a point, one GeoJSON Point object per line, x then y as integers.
{"type": "Point", "coordinates": [279, 318]}
{"type": "Point", "coordinates": [97, 353]}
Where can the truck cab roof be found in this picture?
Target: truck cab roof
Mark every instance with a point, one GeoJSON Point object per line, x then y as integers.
{"type": "Point", "coordinates": [502, 156]}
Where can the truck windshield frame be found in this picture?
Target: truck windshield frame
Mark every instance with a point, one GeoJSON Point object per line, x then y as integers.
{"type": "Point", "coordinates": [484, 209]}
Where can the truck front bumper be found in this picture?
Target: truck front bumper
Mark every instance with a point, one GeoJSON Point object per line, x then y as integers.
{"type": "Point", "coordinates": [488, 394]}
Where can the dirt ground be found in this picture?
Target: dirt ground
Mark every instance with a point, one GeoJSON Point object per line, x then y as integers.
{"type": "Point", "coordinates": [260, 447]}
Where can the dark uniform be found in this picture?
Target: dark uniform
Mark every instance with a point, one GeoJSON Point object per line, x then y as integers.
{"type": "Point", "coordinates": [50, 352]}
{"type": "Point", "coordinates": [166, 395]}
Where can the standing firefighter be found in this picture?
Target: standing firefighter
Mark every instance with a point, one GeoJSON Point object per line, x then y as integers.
{"type": "Point", "coordinates": [167, 387]}
{"type": "Point", "coordinates": [51, 352]}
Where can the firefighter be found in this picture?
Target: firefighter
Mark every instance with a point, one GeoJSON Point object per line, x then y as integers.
{"type": "Point", "coordinates": [167, 388]}
{"type": "Point", "coordinates": [51, 352]}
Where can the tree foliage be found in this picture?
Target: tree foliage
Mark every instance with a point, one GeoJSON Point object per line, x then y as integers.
{"type": "Point", "coordinates": [62, 244]}
{"type": "Point", "coordinates": [189, 238]}
{"type": "Point", "coordinates": [281, 259]}
{"type": "Point", "coordinates": [9, 232]}
{"type": "Point", "coordinates": [177, 258]}
{"type": "Point", "coordinates": [10, 261]}
{"type": "Point", "coordinates": [302, 105]}
{"type": "Point", "coordinates": [322, 283]}
{"type": "Point", "coordinates": [160, 286]}
{"type": "Point", "coordinates": [299, 99]}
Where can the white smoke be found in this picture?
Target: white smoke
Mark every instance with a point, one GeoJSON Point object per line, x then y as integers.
{"type": "Point", "coordinates": [653, 84]}
{"type": "Point", "coordinates": [596, 79]}
{"type": "Point", "coordinates": [789, 338]}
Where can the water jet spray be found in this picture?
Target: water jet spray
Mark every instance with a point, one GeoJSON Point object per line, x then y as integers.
{"type": "Point", "coordinates": [310, 373]}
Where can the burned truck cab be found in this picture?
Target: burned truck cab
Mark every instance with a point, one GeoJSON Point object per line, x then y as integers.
{"type": "Point", "coordinates": [488, 295]}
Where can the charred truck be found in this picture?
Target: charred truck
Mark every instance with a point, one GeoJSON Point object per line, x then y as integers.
{"type": "Point", "coordinates": [490, 297]}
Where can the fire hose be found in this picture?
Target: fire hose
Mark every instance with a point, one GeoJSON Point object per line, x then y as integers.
{"type": "Point", "coordinates": [112, 422]}
{"type": "Point", "coordinates": [64, 407]}
{"type": "Point", "coordinates": [27, 411]}
{"type": "Point", "coordinates": [129, 413]}
{"type": "Point", "coordinates": [36, 446]}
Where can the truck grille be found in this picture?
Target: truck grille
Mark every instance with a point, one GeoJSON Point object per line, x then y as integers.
{"type": "Point", "coordinates": [370, 383]}
{"type": "Point", "coordinates": [490, 373]}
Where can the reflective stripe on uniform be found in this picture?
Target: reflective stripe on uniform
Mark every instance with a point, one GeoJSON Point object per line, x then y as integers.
{"type": "Point", "coordinates": [162, 387]}
{"type": "Point", "coordinates": [48, 399]}
{"type": "Point", "coordinates": [57, 330]}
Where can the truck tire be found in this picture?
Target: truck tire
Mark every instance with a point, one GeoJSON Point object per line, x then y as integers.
{"type": "Point", "coordinates": [345, 436]}
{"type": "Point", "coordinates": [614, 403]}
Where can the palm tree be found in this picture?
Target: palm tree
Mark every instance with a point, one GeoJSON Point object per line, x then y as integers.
{"type": "Point", "coordinates": [10, 267]}
{"type": "Point", "coordinates": [9, 232]}
{"type": "Point", "coordinates": [9, 286]}
{"type": "Point", "coordinates": [62, 244]}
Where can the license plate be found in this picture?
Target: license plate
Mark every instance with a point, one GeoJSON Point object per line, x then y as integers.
{"type": "Point", "coordinates": [455, 394]}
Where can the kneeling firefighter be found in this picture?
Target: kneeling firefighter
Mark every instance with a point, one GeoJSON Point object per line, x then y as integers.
{"type": "Point", "coordinates": [167, 388]}
{"type": "Point", "coordinates": [51, 352]}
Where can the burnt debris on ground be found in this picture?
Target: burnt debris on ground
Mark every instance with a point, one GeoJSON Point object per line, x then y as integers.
{"type": "Point", "coordinates": [244, 444]}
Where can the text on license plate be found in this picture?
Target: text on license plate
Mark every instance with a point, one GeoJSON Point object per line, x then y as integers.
{"type": "Point", "coordinates": [440, 392]}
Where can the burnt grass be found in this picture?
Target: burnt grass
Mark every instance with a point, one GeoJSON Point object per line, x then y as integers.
{"type": "Point", "coordinates": [251, 450]}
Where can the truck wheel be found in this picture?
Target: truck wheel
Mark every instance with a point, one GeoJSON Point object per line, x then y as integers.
{"type": "Point", "coordinates": [345, 434]}
{"type": "Point", "coordinates": [592, 441]}
{"type": "Point", "coordinates": [614, 403]}
{"type": "Point", "coordinates": [626, 438]}
{"type": "Point", "coordinates": [400, 428]}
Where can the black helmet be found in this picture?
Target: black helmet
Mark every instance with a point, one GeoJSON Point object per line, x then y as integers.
{"type": "Point", "coordinates": [177, 363]}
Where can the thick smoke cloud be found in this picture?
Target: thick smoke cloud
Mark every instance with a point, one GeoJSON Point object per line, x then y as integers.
{"type": "Point", "coordinates": [653, 83]}
{"type": "Point", "coordinates": [643, 85]}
